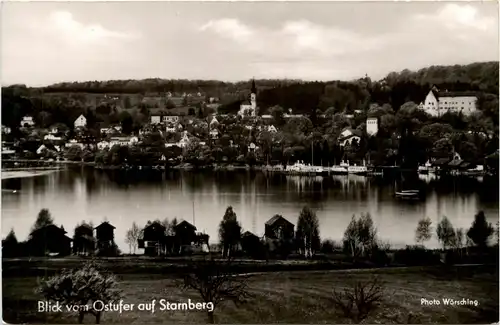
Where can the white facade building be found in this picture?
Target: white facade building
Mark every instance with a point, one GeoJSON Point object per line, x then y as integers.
{"type": "Point", "coordinates": [437, 104]}
{"type": "Point", "coordinates": [27, 121]}
{"type": "Point", "coordinates": [155, 119]}
{"type": "Point", "coordinates": [170, 119]}
{"type": "Point", "coordinates": [52, 137]}
{"type": "Point", "coordinates": [372, 126]}
{"type": "Point", "coordinates": [123, 141]}
{"type": "Point", "coordinates": [6, 129]}
{"type": "Point", "coordinates": [80, 122]}
{"type": "Point", "coordinates": [250, 109]}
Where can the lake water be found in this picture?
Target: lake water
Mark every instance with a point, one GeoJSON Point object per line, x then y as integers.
{"type": "Point", "coordinates": [202, 198]}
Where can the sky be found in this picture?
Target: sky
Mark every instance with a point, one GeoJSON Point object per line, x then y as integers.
{"type": "Point", "coordinates": [48, 42]}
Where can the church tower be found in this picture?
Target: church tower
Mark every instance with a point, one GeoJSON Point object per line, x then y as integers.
{"type": "Point", "coordinates": [253, 98]}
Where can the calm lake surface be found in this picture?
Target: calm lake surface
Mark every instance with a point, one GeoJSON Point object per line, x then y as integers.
{"type": "Point", "coordinates": [202, 197]}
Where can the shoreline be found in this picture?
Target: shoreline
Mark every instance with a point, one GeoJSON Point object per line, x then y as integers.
{"type": "Point", "coordinates": [57, 165]}
{"type": "Point", "coordinates": [24, 173]}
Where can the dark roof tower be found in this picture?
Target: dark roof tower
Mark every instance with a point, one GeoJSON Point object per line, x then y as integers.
{"type": "Point", "coordinates": [253, 89]}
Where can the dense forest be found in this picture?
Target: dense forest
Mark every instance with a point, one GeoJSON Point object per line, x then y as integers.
{"type": "Point", "coordinates": [111, 100]}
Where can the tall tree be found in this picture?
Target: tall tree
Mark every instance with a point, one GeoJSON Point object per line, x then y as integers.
{"type": "Point", "coordinates": [307, 234]}
{"type": "Point", "coordinates": [126, 122]}
{"type": "Point", "coordinates": [132, 237]}
{"type": "Point", "coordinates": [277, 112]}
{"type": "Point", "coordinates": [446, 233]}
{"type": "Point", "coordinates": [10, 239]}
{"type": "Point", "coordinates": [480, 231]}
{"type": "Point", "coordinates": [43, 219]}
{"type": "Point", "coordinates": [424, 231]}
{"type": "Point", "coordinates": [170, 226]}
{"type": "Point", "coordinates": [229, 232]}
{"type": "Point", "coordinates": [360, 236]}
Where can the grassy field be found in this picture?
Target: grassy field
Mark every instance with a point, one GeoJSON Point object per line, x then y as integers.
{"type": "Point", "coordinates": [37, 266]}
{"type": "Point", "coordinates": [291, 297]}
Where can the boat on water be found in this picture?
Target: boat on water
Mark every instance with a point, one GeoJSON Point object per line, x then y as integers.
{"type": "Point", "coordinates": [426, 168]}
{"type": "Point", "coordinates": [478, 171]}
{"type": "Point", "coordinates": [317, 170]}
{"type": "Point", "coordinates": [408, 194]}
{"type": "Point", "coordinates": [345, 168]}
{"type": "Point", "coordinates": [358, 170]}
{"type": "Point", "coordinates": [338, 170]}
{"type": "Point", "coordinates": [372, 171]}
{"type": "Point", "coordinates": [297, 168]}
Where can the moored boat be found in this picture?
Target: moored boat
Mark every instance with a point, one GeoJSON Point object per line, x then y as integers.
{"type": "Point", "coordinates": [338, 170]}
{"type": "Point", "coordinates": [358, 170]}
{"type": "Point", "coordinates": [426, 168]}
{"type": "Point", "coordinates": [408, 194]}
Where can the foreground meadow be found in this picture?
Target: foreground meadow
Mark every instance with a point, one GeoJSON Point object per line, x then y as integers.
{"type": "Point", "coordinates": [291, 297]}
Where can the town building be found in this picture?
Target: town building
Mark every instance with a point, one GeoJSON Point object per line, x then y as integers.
{"type": "Point", "coordinates": [214, 133]}
{"type": "Point", "coordinates": [27, 121]}
{"type": "Point", "coordinates": [74, 143]}
{"type": "Point", "coordinates": [155, 119]}
{"type": "Point", "coordinates": [105, 237]}
{"type": "Point", "coordinates": [272, 129]}
{"type": "Point", "coordinates": [83, 240]}
{"type": "Point", "coordinates": [6, 129]}
{"type": "Point", "coordinates": [52, 137]}
{"type": "Point", "coordinates": [348, 136]}
{"type": "Point", "coordinates": [250, 243]}
{"type": "Point", "coordinates": [214, 122]}
{"type": "Point", "coordinates": [279, 228]}
{"type": "Point", "coordinates": [102, 145]}
{"type": "Point", "coordinates": [80, 122]}
{"type": "Point", "coordinates": [47, 147]}
{"type": "Point", "coordinates": [372, 126]}
{"type": "Point", "coordinates": [123, 141]}
{"type": "Point", "coordinates": [439, 103]}
{"type": "Point", "coordinates": [111, 129]}
{"type": "Point", "coordinates": [154, 240]}
{"type": "Point", "coordinates": [170, 119]}
{"type": "Point", "coordinates": [50, 240]}
{"type": "Point", "coordinates": [170, 129]}
{"type": "Point", "coordinates": [251, 107]}
{"type": "Point", "coordinates": [184, 141]}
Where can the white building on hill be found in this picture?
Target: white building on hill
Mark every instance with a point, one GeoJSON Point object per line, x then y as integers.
{"type": "Point", "coordinates": [372, 126]}
{"type": "Point", "coordinates": [27, 121]}
{"type": "Point", "coordinates": [80, 122]}
{"type": "Point", "coordinates": [439, 103]}
{"type": "Point", "coordinates": [250, 109]}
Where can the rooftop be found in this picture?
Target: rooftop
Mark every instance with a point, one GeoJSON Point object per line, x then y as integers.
{"type": "Point", "coordinates": [275, 219]}
{"type": "Point", "coordinates": [105, 224]}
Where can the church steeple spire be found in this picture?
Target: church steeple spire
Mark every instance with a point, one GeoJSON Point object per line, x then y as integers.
{"type": "Point", "coordinates": [253, 89]}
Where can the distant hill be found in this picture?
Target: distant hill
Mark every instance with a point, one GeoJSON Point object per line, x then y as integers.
{"type": "Point", "coordinates": [65, 100]}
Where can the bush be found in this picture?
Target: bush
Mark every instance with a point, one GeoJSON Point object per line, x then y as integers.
{"type": "Point", "coordinates": [380, 257]}
{"type": "Point", "coordinates": [81, 286]}
{"type": "Point", "coordinates": [329, 246]}
{"type": "Point", "coordinates": [357, 302]}
{"type": "Point", "coordinates": [416, 255]}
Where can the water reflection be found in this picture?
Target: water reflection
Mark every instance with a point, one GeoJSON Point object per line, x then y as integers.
{"type": "Point", "coordinates": [202, 197]}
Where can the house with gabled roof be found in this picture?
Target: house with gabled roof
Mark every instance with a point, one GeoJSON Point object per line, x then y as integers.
{"type": "Point", "coordinates": [348, 135]}
{"type": "Point", "coordinates": [438, 103]}
{"type": "Point", "coordinates": [279, 228]}
{"type": "Point", "coordinates": [80, 122]}
{"type": "Point", "coordinates": [105, 236]}
{"type": "Point", "coordinates": [50, 240]}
